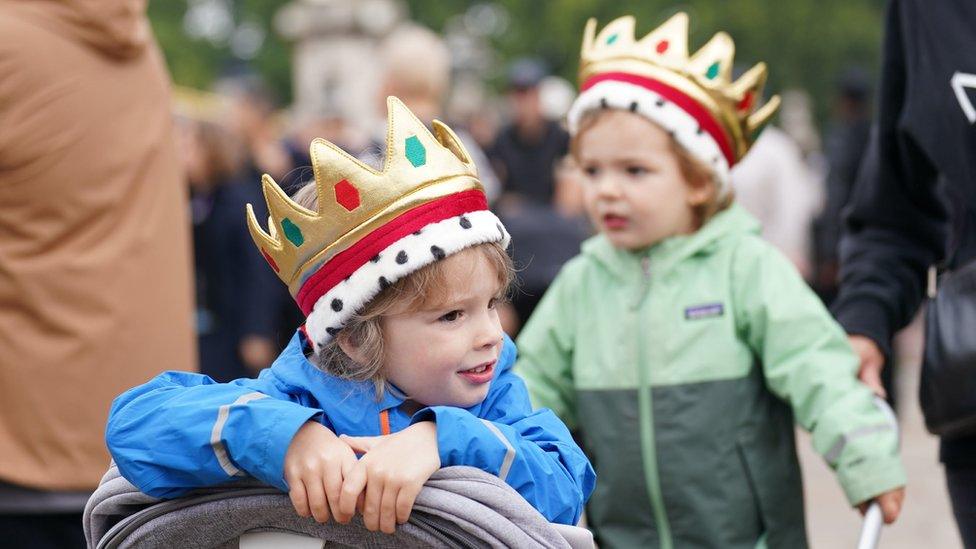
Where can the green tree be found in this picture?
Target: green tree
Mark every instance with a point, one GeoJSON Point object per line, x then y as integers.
{"type": "Point", "coordinates": [806, 43]}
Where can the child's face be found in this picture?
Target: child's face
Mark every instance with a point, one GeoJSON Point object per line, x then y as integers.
{"type": "Point", "coordinates": [445, 354]}
{"type": "Point", "coordinates": [633, 188]}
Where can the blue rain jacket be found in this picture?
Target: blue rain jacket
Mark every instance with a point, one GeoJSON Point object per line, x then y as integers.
{"type": "Point", "coordinates": [181, 431]}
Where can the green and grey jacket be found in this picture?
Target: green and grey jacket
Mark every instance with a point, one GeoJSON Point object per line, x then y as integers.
{"type": "Point", "coordinates": [683, 368]}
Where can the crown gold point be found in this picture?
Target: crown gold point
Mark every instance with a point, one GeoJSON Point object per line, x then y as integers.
{"type": "Point", "coordinates": [446, 137]}
{"type": "Point", "coordinates": [670, 40]}
{"type": "Point", "coordinates": [758, 120]}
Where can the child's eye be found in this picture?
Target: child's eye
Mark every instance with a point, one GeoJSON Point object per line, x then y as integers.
{"type": "Point", "coordinates": [591, 171]}
{"type": "Point", "coordinates": [637, 170]}
{"type": "Point", "coordinates": [452, 316]}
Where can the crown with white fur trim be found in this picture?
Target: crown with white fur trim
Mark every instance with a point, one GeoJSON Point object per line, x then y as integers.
{"type": "Point", "coordinates": [693, 98]}
{"type": "Point", "coordinates": [372, 228]}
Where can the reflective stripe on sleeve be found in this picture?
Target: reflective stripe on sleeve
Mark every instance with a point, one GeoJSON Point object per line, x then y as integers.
{"type": "Point", "coordinates": [216, 435]}
{"type": "Point", "coordinates": [509, 450]}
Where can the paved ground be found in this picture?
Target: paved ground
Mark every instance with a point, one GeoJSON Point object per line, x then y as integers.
{"type": "Point", "coordinates": [926, 519]}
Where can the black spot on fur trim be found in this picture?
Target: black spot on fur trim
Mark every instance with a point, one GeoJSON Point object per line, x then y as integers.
{"type": "Point", "coordinates": [384, 283]}
{"type": "Point", "coordinates": [501, 231]}
{"type": "Point", "coordinates": [603, 103]}
{"type": "Point", "coordinates": [376, 258]}
{"type": "Point", "coordinates": [699, 130]}
{"type": "Point", "coordinates": [401, 257]}
{"type": "Point", "coordinates": [417, 232]}
{"type": "Point", "coordinates": [633, 106]}
{"type": "Point", "coordinates": [659, 102]}
{"type": "Point", "coordinates": [438, 252]}
{"type": "Point", "coordinates": [465, 222]}
{"type": "Point", "coordinates": [332, 332]}
{"type": "Point", "coordinates": [337, 305]}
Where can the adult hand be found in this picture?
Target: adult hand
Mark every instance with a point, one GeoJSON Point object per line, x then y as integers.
{"type": "Point", "coordinates": [392, 470]}
{"type": "Point", "coordinates": [890, 504]}
{"type": "Point", "coordinates": [872, 361]}
{"type": "Point", "coordinates": [316, 463]}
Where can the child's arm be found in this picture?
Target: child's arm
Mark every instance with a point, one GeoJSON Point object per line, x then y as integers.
{"type": "Point", "coordinates": [808, 362]}
{"type": "Point", "coordinates": [532, 451]}
{"type": "Point", "coordinates": [180, 431]}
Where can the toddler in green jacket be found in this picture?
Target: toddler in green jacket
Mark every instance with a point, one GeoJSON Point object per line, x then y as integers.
{"type": "Point", "coordinates": [680, 345]}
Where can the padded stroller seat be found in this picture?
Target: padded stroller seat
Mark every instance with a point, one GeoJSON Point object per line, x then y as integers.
{"type": "Point", "coordinates": [458, 507]}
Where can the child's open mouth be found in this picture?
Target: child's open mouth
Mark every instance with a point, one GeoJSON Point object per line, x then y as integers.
{"type": "Point", "coordinates": [614, 222]}
{"type": "Point", "coordinates": [481, 373]}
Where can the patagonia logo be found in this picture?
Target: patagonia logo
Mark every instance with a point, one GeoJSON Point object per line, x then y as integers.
{"type": "Point", "coordinates": [707, 310]}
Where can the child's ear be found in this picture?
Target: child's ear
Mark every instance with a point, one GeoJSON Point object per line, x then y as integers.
{"type": "Point", "coordinates": [700, 193]}
{"type": "Point", "coordinates": [351, 347]}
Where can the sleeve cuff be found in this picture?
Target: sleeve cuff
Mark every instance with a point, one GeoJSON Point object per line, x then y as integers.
{"type": "Point", "coordinates": [865, 486]}
{"type": "Point", "coordinates": [278, 438]}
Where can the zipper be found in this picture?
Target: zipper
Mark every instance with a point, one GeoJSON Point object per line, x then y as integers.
{"type": "Point", "coordinates": [645, 285]}
{"type": "Point", "coordinates": [646, 424]}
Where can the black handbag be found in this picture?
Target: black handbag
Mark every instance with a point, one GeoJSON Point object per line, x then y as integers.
{"type": "Point", "coordinates": [947, 390]}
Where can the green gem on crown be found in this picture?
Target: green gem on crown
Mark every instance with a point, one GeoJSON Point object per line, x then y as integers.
{"type": "Point", "coordinates": [611, 39]}
{"type": "Point", "coordinates": [712, 71]}
{"type": "Point", "coordinates": [415, 151]}
{"type": "Point", "coordinates": [292, 232]}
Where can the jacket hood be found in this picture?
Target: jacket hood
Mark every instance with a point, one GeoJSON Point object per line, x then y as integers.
{"type": "Point", "coordinates": [116, 28]}
{"type": "Point", "coordinates": [733, 221]}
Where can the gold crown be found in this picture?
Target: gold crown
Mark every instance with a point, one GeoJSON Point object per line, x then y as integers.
{"type": "Point", "coordinates": [354, 199]}
{"type": "Point", "coordinates": [705, 76]}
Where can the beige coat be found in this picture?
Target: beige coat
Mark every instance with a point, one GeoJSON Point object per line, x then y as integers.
{"type": "Point", "coordinates": [95, 285]}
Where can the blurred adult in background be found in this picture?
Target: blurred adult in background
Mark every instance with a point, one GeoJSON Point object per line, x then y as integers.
{"type": "Point", "coordinates": [774, 183]}
{"type": "Point", "coordinates": [846, 142]}
{"type": "Point", "coordinates": [544, 238]}
{"type": "Point", "coordinates": [898, 227]}
{"type": "Point", "coordinates": [542, 198]}
{"type": "Point", "coordinates": [252, 121]}
{"type": "Point", "coordinates": [95, 288]}
{"type": "Point", "coordinates": [527, 149]}
{"type": "Point", "coordinates": [417, 70]}
{"type": "Point", "coordinates": [236, 293]}
{"type": "Point", "coordinates": [475, 109]}
{"type": "Point", "coordinates": [251, 118]}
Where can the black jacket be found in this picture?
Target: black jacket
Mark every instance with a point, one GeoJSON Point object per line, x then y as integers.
{"type": "Point", "coordinates": [918, 184]}
{"type": "Point", "coordinates": [527, 167]}
{"type": "Point", "coordinates": [238, 294]}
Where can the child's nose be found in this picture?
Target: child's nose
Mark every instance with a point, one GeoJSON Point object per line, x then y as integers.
{"type": "Point", "coordinates": [608, 187]}
{"type": "Point", "coordinates": [490, 331]}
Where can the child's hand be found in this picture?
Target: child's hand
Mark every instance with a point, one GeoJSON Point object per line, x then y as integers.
{"type": "Point", "coordinates": [316, 463]}
{"type": "Point", "coordinates": [393, 470]}
{"type": "Point", "coordinates": [890, 504]}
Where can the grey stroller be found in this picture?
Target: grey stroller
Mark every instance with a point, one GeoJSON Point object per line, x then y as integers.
{"type": "Point", "coordinates": [458, 507]}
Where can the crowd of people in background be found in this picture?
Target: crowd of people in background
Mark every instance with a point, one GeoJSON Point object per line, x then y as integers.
{"type": "Point", "coordinates": [793, 186]}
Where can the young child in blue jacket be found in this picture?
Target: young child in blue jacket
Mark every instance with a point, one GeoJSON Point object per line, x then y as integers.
{"type": "Point", "coordinates": [402, 359]}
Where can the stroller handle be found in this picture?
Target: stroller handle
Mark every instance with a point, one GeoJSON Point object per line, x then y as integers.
{"type": "Point", "coordinates": [871, 531]}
